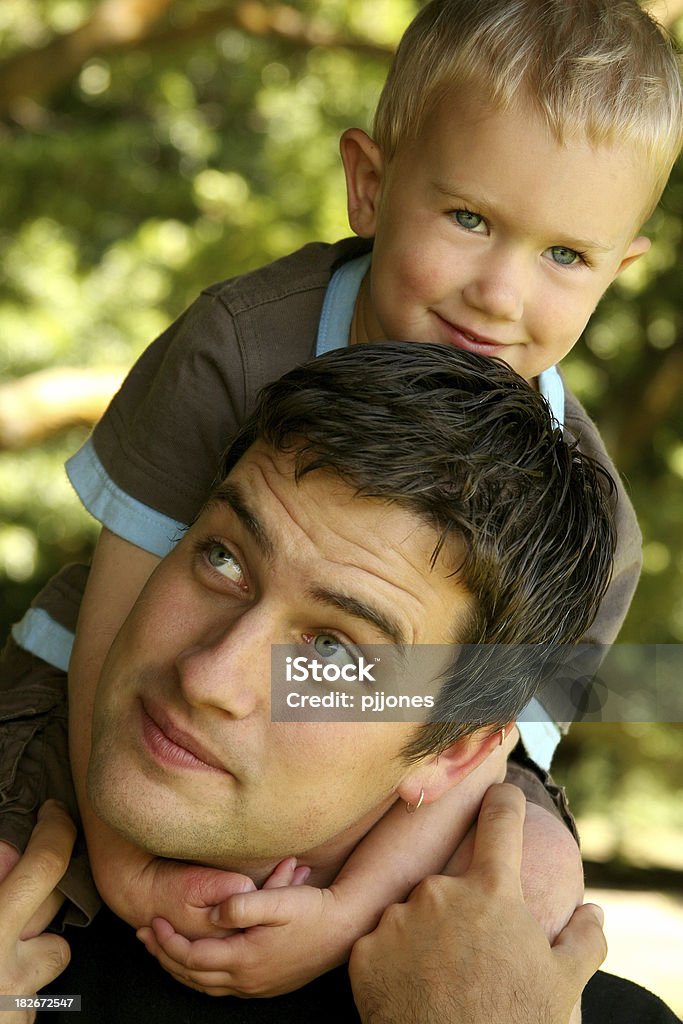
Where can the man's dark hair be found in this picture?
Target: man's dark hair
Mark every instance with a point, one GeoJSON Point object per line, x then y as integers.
{"type": "Point", "coordinates": [469, 447]}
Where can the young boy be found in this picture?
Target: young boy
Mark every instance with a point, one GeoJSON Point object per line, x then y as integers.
{"type": "Point", "coordinates": [516, 153]}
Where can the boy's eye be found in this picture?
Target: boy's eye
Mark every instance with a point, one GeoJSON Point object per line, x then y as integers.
{"type": "Point", "coordinates": [224, 562]}
{"type": "Point", "coordinates": [563, 256]}
{"type": "Point", "coordinates": [468, 220]}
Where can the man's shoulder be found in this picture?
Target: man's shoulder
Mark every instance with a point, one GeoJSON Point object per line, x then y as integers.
{"type": "Point", "coordinates": [307, 270]}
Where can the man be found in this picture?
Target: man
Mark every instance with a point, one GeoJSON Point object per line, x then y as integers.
{"type": "Point", "coordinates": [418, 495]}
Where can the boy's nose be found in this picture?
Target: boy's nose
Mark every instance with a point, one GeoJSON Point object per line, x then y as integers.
{"type": "Point", "coordinates": [228, 669]}
{"type": "Point", "coordinates": [497, 290]}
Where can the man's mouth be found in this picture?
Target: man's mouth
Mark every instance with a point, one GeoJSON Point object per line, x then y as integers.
{"type": "Point", "coordinates": [172, 745]}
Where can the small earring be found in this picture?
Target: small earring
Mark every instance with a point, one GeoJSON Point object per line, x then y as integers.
{"type": "Point", "coordinates": [410, 808]}
{"type": "Point", "coordinates": [502, 737]}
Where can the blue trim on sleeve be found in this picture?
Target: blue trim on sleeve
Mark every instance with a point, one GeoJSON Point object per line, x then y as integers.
{"type": "Point", "coordinates": [551, 387]}
{"type": "Point", "coordinates": [339, 304]}
{"type": "Point", "coordinates": [540, 735]}
{"type": "Point", "coordinates": [38, 633]}
{"type": "Point", "coordinates": [119, 512]}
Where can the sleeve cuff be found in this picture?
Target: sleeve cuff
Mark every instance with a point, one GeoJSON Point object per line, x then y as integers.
{"type": "Point", "coordinates": [125, 516]}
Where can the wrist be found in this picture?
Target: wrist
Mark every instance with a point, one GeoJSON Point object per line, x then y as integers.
{"type": "Point", "coordinates": [353, 914]}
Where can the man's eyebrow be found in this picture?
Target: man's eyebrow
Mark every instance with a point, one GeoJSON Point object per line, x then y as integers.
{"type": "Point", "coordinates": [231, 495]}
{"type": "Point", "coordinates": [386, 625]}
{"type": "Point", "coordinates": [452, 192]}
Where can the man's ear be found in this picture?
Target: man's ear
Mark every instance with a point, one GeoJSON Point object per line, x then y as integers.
{"type": "Point", "coordinates": [638, 247]}
{"type": "Point", "coordinates": [363, 167]}
{"type": "Point", "coordinates": [439, 773]}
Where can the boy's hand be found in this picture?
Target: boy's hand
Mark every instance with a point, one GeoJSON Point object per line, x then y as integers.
{"type": "Point", "coordinates": [289, 937]}
{"type": "Point", "coordinates": [30, 960]}
{"type": "Point", "coordinates": [467, 948]}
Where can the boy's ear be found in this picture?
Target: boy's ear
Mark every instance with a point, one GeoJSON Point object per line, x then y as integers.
{"type": "Point", "coordinates": [638, 247]}
{"type": "Point", "coordinates": [439, 773]}
{"type": "Point", "coordinates": [363, 167]}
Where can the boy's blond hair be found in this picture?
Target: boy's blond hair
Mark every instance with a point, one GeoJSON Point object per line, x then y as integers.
{"type": "Point", "coordinates": [603, 69]}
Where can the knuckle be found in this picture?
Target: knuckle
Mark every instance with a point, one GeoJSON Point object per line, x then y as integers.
{"type": "Point", "coordinates": [195, 884]}
{"type": "Point", "coordinates": [234, 909]}
{"type": "Point", "coordinates": [48, 865]}
{"type": "Point", "coordinates": [505, 814]}
{"type": "Point", "coordinates": [432, 889]}
{"type": "Point", "coordinates": [390, 918]}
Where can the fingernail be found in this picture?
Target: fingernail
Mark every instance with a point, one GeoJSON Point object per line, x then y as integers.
{"type": "Point", "coordinates": [215, 915]}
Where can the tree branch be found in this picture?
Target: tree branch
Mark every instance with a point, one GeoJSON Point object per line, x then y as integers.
{"type": "Point", "coordinates": [42, 404]}
{"type": "Point", "coordinates": [37, 74]}
{"type": "Point", "coordinates": [125, 24]}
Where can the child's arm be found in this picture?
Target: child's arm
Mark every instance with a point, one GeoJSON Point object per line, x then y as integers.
{"type": "Point", "coordinates": [118, 574]}
{"type": "Point", "coordinates": [295, 934]}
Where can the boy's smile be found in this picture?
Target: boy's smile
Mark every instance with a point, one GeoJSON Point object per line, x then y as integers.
{"type": "Point", "coordinates": [490, 234]}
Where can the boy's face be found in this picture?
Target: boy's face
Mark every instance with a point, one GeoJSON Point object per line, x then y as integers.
{"type": "Point", "coordinates": [491, 235]}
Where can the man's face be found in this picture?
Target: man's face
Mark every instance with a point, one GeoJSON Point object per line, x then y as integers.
{"type": "Point", "coordinates": [186, 760]}
{"type": "Point", "coordinates": [492, 236]}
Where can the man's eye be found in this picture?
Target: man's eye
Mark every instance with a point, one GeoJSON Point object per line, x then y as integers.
{"type": "Point", "coordinates": [332, 650]}
{"type": "Point", "coordinates": [563, 256]}
{"type": "Point", "coordinates": [224, 562]}
{"type": "Point", "coordinates": [468, 220]}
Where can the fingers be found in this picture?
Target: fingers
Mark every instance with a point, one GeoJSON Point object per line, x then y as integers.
{"type": "Point", "coordinates": [266, 906]}
{"type": "Point", "coordinates": [281, 875]}
{"type": "Point", "coordinates": [45, 957]}
{"type": "Point", "coordinates": [39, 870]}
{"type": "Point", "coordinates": [301, 875]}
{"type": "Point", "coordinates": [287, 873]}
{"type": "Point", "coordinates": [583, 941]}
{"type": "Point", "coordinates": [498, 840]}
{"type": "Point", "coordinates": [205, 964]}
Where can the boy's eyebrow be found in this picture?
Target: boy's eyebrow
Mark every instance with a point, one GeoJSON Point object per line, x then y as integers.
{"type": "Point", "coordinates": [230, 494]}
{"type": "Point", "coordinates": [386, 625]}
{"type": "Point", "coordinates": [452, 192]}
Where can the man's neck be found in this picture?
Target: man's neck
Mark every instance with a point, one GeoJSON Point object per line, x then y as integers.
{"type": "Point", "coordinates": [325, 861]}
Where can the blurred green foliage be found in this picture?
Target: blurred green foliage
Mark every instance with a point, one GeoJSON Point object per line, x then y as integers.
{"type": "Point", "coordinates": [187, 158]}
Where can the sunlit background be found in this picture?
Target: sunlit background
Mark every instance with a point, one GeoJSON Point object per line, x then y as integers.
{"type": "Point", "coordinates": [151, 147]}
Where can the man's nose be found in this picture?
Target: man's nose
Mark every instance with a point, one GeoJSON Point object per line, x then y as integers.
{"type": "Point", "coordinates": [229, 667]}
{"type": "Point", "coordinates": [497, 286]}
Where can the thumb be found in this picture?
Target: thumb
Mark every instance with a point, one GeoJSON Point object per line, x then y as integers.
{"type": "Point", "coordinates": [265, 906]}
{"type": "Point", "coordinates": [582, 941]}
{"type": "Point", "coordinates": [46, 957]}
